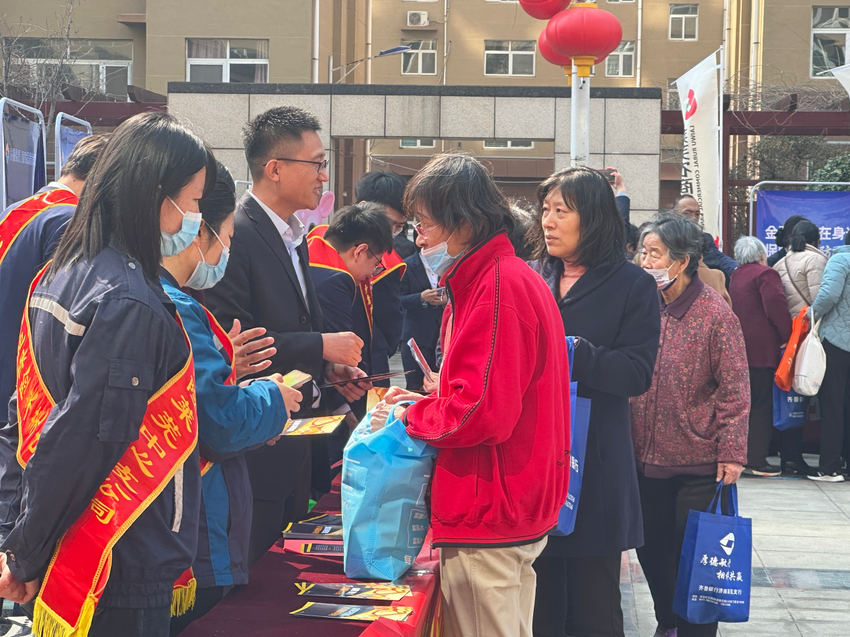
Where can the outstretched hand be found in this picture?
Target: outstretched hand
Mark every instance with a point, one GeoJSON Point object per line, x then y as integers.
{"type": "Point", "coordinates": [251, 354]}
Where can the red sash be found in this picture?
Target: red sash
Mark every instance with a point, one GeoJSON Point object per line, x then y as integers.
{"type": "Point", "coordinates": [392, 262]}
{"type": "Point", "coordinates": [324, 255]}
{"type": "Point", "coordinates": [18, 218]}
{"type": "Point", "coordinates": [80, 566]}
{"type": "Point", "coordinates": [227, 346]}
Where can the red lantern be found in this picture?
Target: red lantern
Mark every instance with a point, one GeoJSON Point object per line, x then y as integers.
{"type": "Point", "coordinates": [552, 57]}
{"type": "Point", "coordinates": [543, 9]}
{"type": "Point", "coordinates": [585, 33]}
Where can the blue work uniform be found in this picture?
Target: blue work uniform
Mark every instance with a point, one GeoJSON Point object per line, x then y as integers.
{"type": "Point", "coordinates": [231, 420]}
{"type": "Point", "coordinates": [33, 247]}
{"type": "Point", "coordinates": [105, 340]}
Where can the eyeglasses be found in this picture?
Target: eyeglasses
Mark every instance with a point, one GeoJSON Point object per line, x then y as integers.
{"type": "Point", "coordinates": [380, 268]}
{"type": "Point", "coordinates": [421, 230]}
{"type": "Point", "coordinates": [320, 165]}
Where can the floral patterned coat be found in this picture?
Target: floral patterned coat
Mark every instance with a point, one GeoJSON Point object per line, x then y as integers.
{"type": "Point", "coordinates": [696, 412]}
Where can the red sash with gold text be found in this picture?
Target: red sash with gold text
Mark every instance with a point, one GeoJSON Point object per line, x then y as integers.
{"type": "Point", "coordinates": [392, 262]}
{"type": "Point", "coordinates": [79, 569]}
{"type": "Point", "coordinates": [324, 255]}
{"type": "Point", "coordinates": [18, 218]}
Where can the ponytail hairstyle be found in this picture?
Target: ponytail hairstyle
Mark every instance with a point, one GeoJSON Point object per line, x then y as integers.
{"type": "Point", "coordinates": [149, 157]}
{"type": "Point", "coordinates": [805, 233]}
{"type": "Point", "coordinates": [783, 235]}
{"type": "Point", "coordinates": [219, 203]}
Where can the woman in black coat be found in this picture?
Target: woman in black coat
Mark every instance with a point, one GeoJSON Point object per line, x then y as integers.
{"type": "Point", "coordinates": [611, 305]}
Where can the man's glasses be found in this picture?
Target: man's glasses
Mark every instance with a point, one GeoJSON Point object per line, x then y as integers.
{"type": "Point", "coordinates": [320, 165]}
{"type": "Point", "coordinates": [379, 269]}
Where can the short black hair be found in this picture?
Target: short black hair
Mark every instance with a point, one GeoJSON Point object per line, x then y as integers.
{"type": "Point", "coordinates": [264, 134]}
{"type": "Point", "coordinates": [82, 158]}
{"type": "Point", "coordinates": [632, 235]}
{"type": "Point", "coordinates": [680, 197]}
{"type": "Point", "coordinates": [457, 191]}
{"type": "Point", "coordinates": [804, 233]}
{"type": "Point", "coordinates": [384, 187]}
{"type": "Point", "coordinates": [602, 240]}
{"type": "Point", "coordinates": [218, 204]}
{"type": "Point", "coordinates": [356, 224]}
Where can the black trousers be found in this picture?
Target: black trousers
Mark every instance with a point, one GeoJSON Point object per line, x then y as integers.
{"type": "Point", "coordinates": [761, 416]}
{"type": "Point", "coordinates": [666, 503]}
{"type": "Point", "coordinates": [131, 622]}
{"type": "Point", "coordinates": [205, 601]}
{"type": "Point", "coordinates": [833, 423]}
{"type": "Point", "coordinates": [578, 596]}
{"type": "Point", "coordinates": [271, 516]}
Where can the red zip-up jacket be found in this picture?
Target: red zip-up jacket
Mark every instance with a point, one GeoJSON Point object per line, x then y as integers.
{"type": "Point", "coordinates": [501, 417]}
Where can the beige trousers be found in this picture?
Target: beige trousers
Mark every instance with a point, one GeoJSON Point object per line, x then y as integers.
{"type": "Point", "coordinates": [488, 592]}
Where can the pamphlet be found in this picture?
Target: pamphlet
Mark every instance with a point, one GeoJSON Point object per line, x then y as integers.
{"type": "Point", "coordinates": [331, 549]}
{"type": "Point", "coordinates": [312, 426]}
{"type": "Point", "coordinates": [356, 613]}
{"type": "Point", "coordinates": [308, 531]}
{"type": "Point", "coordinates": [296, 378]}
{"type": "Point", "coordinates": [419, 358]}
{"type": "Point", "coordinates": [383, 592]}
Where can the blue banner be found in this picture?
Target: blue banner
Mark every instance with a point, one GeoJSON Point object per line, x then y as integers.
{"type": "Point", "coordinates": [830, 211]}
{"type": "Point", "coordinates": [68, 138]}
{"type": "Point", "coordinates": [23, 156]}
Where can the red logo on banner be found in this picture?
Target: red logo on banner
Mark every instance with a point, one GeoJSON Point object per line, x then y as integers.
{"type": "Point", "coordinates": [692, 105]}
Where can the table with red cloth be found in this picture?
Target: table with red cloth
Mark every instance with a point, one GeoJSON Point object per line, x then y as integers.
{"type": "Point", "coordinates": [263, 607]}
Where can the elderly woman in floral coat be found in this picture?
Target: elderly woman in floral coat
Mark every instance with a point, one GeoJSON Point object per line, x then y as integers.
{"type": "Point", "coordinates": [690, 428]}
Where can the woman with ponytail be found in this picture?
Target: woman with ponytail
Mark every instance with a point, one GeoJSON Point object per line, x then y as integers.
{"type": "Point", "coordinates": [802, 268]}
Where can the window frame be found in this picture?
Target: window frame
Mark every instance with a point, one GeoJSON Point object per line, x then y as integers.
{"type": "Point", "coordinates": [620, 55]}
{"type": "Point", "coordinates": [510, 53]}
{"type": "Point", "coordinates": [419, 52]}
{"type": "Point", "coordinates": [226, 62]}
{"type": "Point", "coordinates": [826, 75]}
{"type": "Point", "coordinates": [418, 141]}
{"type": "Point", "coordinates": [683, 17]}
{"type": "Point", "coordinates": [510, 145]}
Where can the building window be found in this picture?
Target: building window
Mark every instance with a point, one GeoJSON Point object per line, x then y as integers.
{"type": "Point", "coordinates": [830, 38]}
{"type": "Point", "coordinates": [684, 21]}
{"type": "Point", "coordinates": [102, 66]}
{"type": "Point", "coordinates": [673, 103]}
{"type": "Point", "coordinates": [219, 60]}
{"type": "Point", "coordinates": [508, 143]}
{"type": "Point", "coordinates": [509, 57]}
{"type": "Point", "coordinates": [421, 59]}
{"type": "Point", "coordinates": [621, 63]}
{"type": "Point", "coordinates": [417, 143]}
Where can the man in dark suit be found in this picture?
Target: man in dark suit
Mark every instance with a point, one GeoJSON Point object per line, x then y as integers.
{"type": "Point", "coordinates": [688, 206]}
{"type": "Point", "coordinates": [267, 284]}
{"type": "Point", "coordinates": [423, 314]}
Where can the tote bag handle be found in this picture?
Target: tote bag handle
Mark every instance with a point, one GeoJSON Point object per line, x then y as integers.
{"type": "Point", "coordinates": [715, 506]}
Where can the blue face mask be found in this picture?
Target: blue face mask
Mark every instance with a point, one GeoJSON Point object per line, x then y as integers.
{"type": "Point", "coordinates": [437, 257]}
{"type": "Point", "coordinates": [173, 244]}
{"type": "Point", "coordinates": [205, 275]}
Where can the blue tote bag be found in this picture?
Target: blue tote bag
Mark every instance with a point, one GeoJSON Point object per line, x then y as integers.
{"type": "Point", "coordinates": [716, 565]}
{"type": "Point", "coordinates": [579, 425]}
{"type": "Point", "coordinates": [385, 476]}
{"type": "Point", "coordinates": [790, 409]}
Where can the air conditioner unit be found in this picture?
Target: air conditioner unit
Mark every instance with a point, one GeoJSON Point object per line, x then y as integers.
{"type": "Point", "coordinates": [417, 18]}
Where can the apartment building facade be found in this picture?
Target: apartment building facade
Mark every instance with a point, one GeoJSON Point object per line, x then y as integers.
{"type": "Point", "coordinates": [148, 43]}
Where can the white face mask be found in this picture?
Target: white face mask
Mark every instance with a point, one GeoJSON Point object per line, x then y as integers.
{"type": "Point", "coordinates": [662, 276]}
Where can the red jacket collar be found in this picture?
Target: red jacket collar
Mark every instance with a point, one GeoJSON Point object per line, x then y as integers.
{"type": "Point", "coordinates": [470, 266]}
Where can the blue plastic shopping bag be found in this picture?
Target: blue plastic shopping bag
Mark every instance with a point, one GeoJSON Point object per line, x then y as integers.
{"type": "Point", "coordinates": [385, 476]}
{"type": "Point", "coordinates": [715, 565]}
{"type": "Point", "coordinates": [790, 409]}
{"type": "Point", "coordinates": [579, 425]}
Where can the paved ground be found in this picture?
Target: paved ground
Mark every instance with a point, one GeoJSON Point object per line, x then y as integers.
{"type": "Point", "coordinates": [801, 562]}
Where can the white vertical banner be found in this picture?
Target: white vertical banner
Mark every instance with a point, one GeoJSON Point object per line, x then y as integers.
{"type": "Point", "coordinates": [701, 160]}
{"type": "Point", "coordinates": [842, 74]}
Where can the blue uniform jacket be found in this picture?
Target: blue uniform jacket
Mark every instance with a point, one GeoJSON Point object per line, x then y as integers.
{"type": "Point", "coordinates": [105, 340]}
{"type": "Point", "coordinates": [33, 248]}
{"type": "Point", "coordinates": [231, 420]}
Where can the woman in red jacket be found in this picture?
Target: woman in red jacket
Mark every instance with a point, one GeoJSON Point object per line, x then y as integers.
{"type": "Point", "coordinates": [500, 416]}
